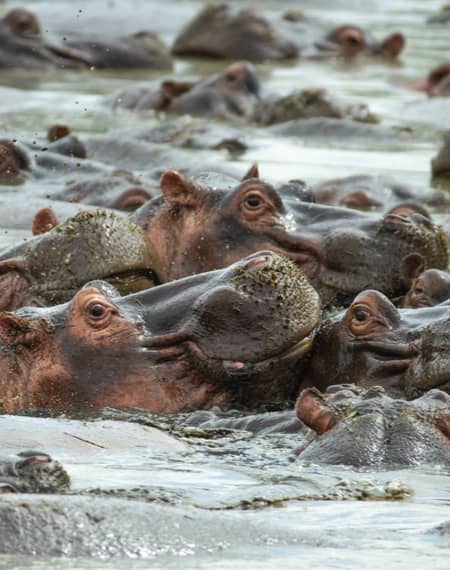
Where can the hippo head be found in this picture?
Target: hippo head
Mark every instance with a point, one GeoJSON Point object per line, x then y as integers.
{"type": "Point", "coordinates": [219, 31]}
{"type": "Point", "coordinates": [351, 41]}
{"type": "Point", "coordinates": [407, 351]}
{"type": "Point", "coordinates": [211, 221]}
{"type": "Point", "coordinates": [426, 288]}
{"type": "Point", "coordinates": [233, 336]}
{"type": "Point", "coordinates": [24, 46]}
{"type": "Point", "coordinates": [368, 428]}
{"type": "Point", "coordinates": [13, 161]}
{"type": "Point", "coordinates": [32, 472]}
{"type": "Point", "coordinates": [51, 267]}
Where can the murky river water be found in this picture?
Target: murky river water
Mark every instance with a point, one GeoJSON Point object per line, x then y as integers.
{"type": "Point", "coordinates": [302, 523]}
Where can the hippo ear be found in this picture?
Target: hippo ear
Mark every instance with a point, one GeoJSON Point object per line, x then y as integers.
{"type": "Point", "coordinates": [411, 266]}
{"type": "Point", "coordinates": [172, 89]}
{"type": "Point", "coordinates": [132, 199]}
{"type": "Point", "coordinates": [14, 330]}
{"type": "Point", "coordinates": [393, 45]}
{"type": "Point", "coordinates": [44, 221]}
{"type": "Point", "coordinates": [313, 410]}
{"type": "Point", "coordinates": [179, 191]}
{"type": "Point", "coordinates": [252, 172]}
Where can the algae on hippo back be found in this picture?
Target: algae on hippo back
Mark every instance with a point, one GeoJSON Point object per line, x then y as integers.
{"type": "Point", "coordinates": [51, 267]}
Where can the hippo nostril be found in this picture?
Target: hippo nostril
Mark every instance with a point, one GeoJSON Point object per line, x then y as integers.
{"type": "Point", "coordinates": [257, 262]}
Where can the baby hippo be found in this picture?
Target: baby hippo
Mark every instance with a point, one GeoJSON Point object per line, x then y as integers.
{"type": "Point", "coordinates": [368, 428]}
{"type": "Point", "coordinates": [429, 288]}
{"type": "Point", "coordinates": [228, 337]}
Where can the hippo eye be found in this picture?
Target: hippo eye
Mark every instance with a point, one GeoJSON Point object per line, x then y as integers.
{"type": "Point", "coordinates": [352, 40]}
{"type": "Point", "coordinates": [97, 310]}
{"type": "Point", "coordinates": [361, 315]}
{"type": "Point", "coordinates": [418, 289]}
{"type": "Point", "coordinates": [231, 77]}
{"type": "Point", "coordinates": [253, 201]}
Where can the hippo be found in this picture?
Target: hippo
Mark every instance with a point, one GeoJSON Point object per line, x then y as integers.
{"type": "Point", "coordinates": [230, 337]}
{"type": "Point", "coordinates": [375, 192]}
{"type": "Point", "coordinates": [219, 31]}
{"type": "Point", "coordinates": [51, 267]}
{"type": "Point", "coordinates": [32, 472]}
{"type": "Point", "coordinates": [437, 83]}
{"type": "Point", "coordinates": [233, 92]}
{"type": "Point", "coordinates": [427, 288]}
{"type": "Point", "coordinates": [440, 164]}
{"type": "Point", "coordinates": [23, 45]}
{"type": "Point", "coordinates": [211, 221]}
{"type": "Point", "coordinates": [370, 429]}
{"type": "Point", "coordinates": [374, 343]}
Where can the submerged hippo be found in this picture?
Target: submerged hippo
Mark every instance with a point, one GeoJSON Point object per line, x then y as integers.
{"type": "Point", "coordinates": [23, 45]}
{"type": "Point", "coordinates": [437, 83]}
{"type": "Point", "coordinates": [211, 221]}
{"type": "Point", "coordinates": [219, 31]}
{"type": "Point", "coordinates": [428, 288]}
{"type": "Point", "coordinates": [33, 472]}
{"type": "Point", "coordinates": [233, 92]}
{"type": "Point", "coordinates": [368, 428]}
{"type": "Point", "coordinates": [407, 351]}
{"type": "Point", "coordinates": [51, 267]}
{"type": "Point", "coordinates": [379, 192]}
{"type": "Point", "coordinates": [233, 336]}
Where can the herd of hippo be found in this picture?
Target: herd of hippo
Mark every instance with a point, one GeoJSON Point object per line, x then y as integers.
{"type": "Point", "coordinates": [196, 287]}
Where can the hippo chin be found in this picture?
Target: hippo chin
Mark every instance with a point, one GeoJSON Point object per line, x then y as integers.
{"type": "Point", "coordinates": [368, 428]}
{"type": "Point", "coordinates": [32, 472]}
{"type": "Point", "coordinates": [22, 45]}
{"type": "Point", "coordinates": [51, 267]}
{"type": "Point", "coordinates": [233, 336]}
{"type": "Point", "coordinates": [407, 351]}
{"type": "Point", "coordinates": [211, 221]}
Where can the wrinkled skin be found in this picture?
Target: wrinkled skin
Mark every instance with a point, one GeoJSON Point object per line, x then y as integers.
{"type": "Point", "coordinates": [407, 351]}
{"type": "Point", "coordinates": [23, 45]}
{"type": "Point", "coordinates": [33, 472]}
{"type": "Point", "coordinates": [380, 192]}
{"type": "Point", "coordinates": [219, 31]}
{"type": "Point", "coordinates": [51, 267]}
{"type": "Point", "coordinates": [230, 337]}
{"type": "Point", "coordinates": [232, 92]}
{"type": "Point", "coordinates": [440, 164]}
{"type": "Point", "coordinates": [368, 428]}
{"type": "Point", "coordinates": [202, 224]}
{"type": "Point", "coordinates": [437, 84]}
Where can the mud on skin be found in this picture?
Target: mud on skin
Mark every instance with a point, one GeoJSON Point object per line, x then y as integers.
{"type": "Point", "coordinates": [32, 472]}
{"type": "Point", "coordinates": [407, 351]}
{"type": "Point", "coordinates": [204, 223]}
{"type": "Point", "coordinates": [230, 337]}
{"type": "Point", "coordinates": [51, 267]}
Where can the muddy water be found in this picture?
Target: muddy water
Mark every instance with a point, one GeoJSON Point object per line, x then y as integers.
{"type": "Point", "coordinates": [245, 479]}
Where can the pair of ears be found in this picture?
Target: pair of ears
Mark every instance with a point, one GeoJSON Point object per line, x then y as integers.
{"type": "Point", "coordinates": [179, 190]}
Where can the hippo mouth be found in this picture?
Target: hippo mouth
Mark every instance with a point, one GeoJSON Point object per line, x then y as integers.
{"type": "Point", "coordinates": [177, 346]}
{"type": "Point", "coordinates": [387, 359]}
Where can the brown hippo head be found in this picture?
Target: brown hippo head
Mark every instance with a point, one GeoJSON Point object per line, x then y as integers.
{"type": "Point", "coordinates": [211, 221]}
{"type": "Point", "coordinates": [233, 336]}
{"type": "Point", "coordinates": [407, 351]}
{"type": "Point", "coordinates": [13, 161]}
{"type": "Point", "coordinates": [437, 84]}
{"type": "Point", "coordinates": [426, 287]}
